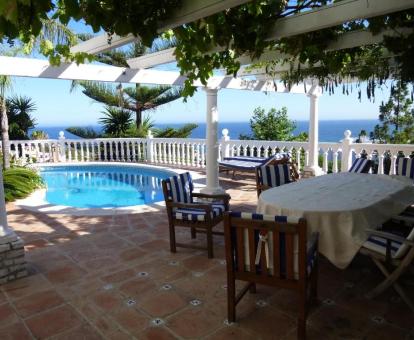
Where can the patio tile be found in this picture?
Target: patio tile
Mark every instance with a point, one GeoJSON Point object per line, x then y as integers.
{"type": "Point", "coordinates": [339, 322]}
{"type": "Point", "coordinates": [107, 301]}
{"type": "Point", "coordinates": [138, 288]}
{"type": "Point", "coordinates": [156, 333]}
{"type": "Point", "coordinates": [194, 322]}
{"type": "Point", "coordinates": [53, 322]}
{"type": "Point", "coordinates": [131, 254]}
{"type": "Point", "coordinates": [37, 302]}
{"type": "Point", "coordinates": [163, 303]}
{"type": "Point", "coordinates": [131, 320]}
{"type": "Point", "coordinates": [156, 245]}
{"type": "Point", "coordinates": [83, 332]}
{"type": "Point", "coordinates": [231, 332]}
{"type": "Point", "coordinates": [7, 315]}
{"type": "Point", "coordinates": [199, 263]}
{"type": "Point", "coordinates": [386, 332]}
{"type": "Point", "coordinates": [65, 274]}
{"type": "Point", "coordinates": [15, 331]}
{"type": "Point", "coordinates": [26, 286]}
{"type": "Point", "coordinates": [267, 322]}
{"type": "Point", "coordinates": [35, 244]}
{"type": "Point", "coordinates": [119, 276]}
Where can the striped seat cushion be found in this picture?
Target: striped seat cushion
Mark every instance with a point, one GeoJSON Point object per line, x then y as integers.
{"type": "Point", "coordinates": [180, 187]}
{"type": "Point", "coordinates": [188, 214]}
{"type": "Point", "coordinates": [360, 165]}
{"type": "Point", "coordinates": [250, 163]}
{"type": "Point", "coordinates": [379, 245]}
{"type": "Point", "coordinates": [311, 245]}
{"type": "Point", "coordinates": [274, 175]}
{"type": "Point", "coordinates": [405, 167]}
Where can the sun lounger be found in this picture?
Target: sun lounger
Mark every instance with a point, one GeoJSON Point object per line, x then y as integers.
{"type": "Point", "coordinates": [249, 164]}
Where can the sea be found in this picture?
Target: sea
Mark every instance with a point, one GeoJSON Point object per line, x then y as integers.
{"type": "Point", "coordinates": [329, 130]}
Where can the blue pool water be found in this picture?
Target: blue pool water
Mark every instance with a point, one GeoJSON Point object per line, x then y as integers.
{"type": "Point", "coordinates": [102, 186]}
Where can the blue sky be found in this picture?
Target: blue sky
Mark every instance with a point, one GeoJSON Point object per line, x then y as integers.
{"type": "Point", "coordinates": [56, 106]}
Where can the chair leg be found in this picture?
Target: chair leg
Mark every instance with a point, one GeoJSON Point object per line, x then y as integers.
{"type": "Point", "coordinates": [193, 233]}
{"type": "Point", "coordinates": [302, 314]}
{"type": "Point", "coordinates": [231, 299]}
{"type": "Point", "coordinates": [209, 242]}
{"type": "Point", "coordinates": [173, 247]}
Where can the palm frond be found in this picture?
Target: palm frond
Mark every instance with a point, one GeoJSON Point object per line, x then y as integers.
{"type": "Point", "coordinates": [103, 93]}
{"type": "Point", "coordinates": [116, 121]}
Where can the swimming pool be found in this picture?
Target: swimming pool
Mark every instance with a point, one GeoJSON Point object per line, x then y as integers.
{"type": "Point", "coordinates": [103, 186]}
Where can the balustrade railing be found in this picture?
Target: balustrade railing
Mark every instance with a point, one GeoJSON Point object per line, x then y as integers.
{"type": "Point", "coordinates": [190, 152]}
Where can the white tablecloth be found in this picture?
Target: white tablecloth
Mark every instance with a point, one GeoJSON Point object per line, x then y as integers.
{"type": "Point", "coordinates": [340, 207]}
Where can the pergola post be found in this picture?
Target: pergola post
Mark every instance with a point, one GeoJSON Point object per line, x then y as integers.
{"type": "Point", "coordinates": [212, 144]}
{"type": "Point", "coordinates": [312, 168]}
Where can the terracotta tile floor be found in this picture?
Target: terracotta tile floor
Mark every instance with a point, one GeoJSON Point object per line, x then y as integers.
{"type": "Point", "coordinates": [113, 277]}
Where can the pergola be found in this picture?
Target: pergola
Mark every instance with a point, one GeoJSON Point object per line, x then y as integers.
{"type": "Point", "coordinates": [142, 69]}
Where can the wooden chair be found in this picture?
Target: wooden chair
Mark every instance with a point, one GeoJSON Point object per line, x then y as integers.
{"type": "Point", "coordinates": [393, 254]}
{"type": "Point", "coordinates": [184, 211]}
{"type": "Point", "coordinates": [361, 166]}
{"type": "Point", "coordinates": [274, 251]}
{"type": "Point", "coordinates": [274, 175]}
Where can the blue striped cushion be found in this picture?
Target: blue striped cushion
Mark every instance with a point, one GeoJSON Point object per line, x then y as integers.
{"type": "Point", "coordinates": [274, 175]}
{"type": "Point", "coordinates": [189, 214]}
{"type": "Point", "coordinates": [248, 162]}
{"type": "Point", "coordinates": [180, 187]}
{"type": "Point", "coordinates": [311, 246]}
{"type": "Point", "coordinates": [360, 165]}
{"type": "Point", "coordinates": [405, 167]}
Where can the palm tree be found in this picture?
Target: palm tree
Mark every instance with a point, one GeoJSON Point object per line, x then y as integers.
{"type": "Point", "coordinates": [20, 120]}
{"type": "Point", "coordinates": [5, 84]}
{"type": "Point", "coordinates": [116, 121]}
{"type": "Point", "coordinates": [136, 99]}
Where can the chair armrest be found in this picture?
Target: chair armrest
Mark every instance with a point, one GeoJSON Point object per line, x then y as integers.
{"type": "Point", "coordinates": [389, 236]}
{"type": "Point", "coordinates": [220, 196]}
{"type": "Point", "coordinates": [206, 207]}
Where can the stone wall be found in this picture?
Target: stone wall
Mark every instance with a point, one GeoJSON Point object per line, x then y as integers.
{"type": "Point", "coordinates": [12, 260]}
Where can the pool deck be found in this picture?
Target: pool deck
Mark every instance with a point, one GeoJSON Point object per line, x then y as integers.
{"type": "Point", "coordinates": [113, 277]}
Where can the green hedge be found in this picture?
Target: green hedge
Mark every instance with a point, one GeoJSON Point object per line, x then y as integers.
{"type": "Point", "coordinates": [20, 182]}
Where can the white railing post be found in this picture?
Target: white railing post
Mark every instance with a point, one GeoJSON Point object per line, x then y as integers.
{"type": "Point", "coordinates": [150, 147]}
{"type": "Point", "coordinates": [346, 160]}
{"type": "Point", "coordinates": [225, 144]}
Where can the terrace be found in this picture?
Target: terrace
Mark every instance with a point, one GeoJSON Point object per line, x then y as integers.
{"type": "Point", "coordinates": [113, 276]}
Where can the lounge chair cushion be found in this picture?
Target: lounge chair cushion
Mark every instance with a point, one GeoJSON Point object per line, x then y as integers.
{"type": "Point", "coordinates": [405, 167]}
{"type": "Point", "coordinates": [250, 163]}
{"type": "Point", "coordinates": [190, 214]}
{"type": "Point", "coordinates": [360, 165]}
{"type": "Point", "coordinates": [274, 175]}
{"type": "Point", "coordinates": [311, 246]}
{"type": "Point", "coordinates": [180, 187]}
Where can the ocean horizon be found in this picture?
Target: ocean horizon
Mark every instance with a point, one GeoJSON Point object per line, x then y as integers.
{"type": "Point", "coordinates": [329, 130]}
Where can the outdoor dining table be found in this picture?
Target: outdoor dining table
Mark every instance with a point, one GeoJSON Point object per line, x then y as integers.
{"type": "Point", "coordinates": [340, 207]}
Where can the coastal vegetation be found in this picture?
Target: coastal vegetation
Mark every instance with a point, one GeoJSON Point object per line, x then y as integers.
{"type": "Point", "coordinates": [20, 182]}
{"type": "Point", "coordinates": [273, 125]}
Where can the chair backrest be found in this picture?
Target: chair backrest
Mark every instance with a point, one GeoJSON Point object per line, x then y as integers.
{"type": "Point", "coordinates": [405, 167]}
{"type": "Point", "coordinates": [273, 175]}
{"type": "Point", "coordinates": [360, 165]}
{"type": "Point", "coordinates": [178, 188]}
{"type": "Point", "coordinates": [272, 247]}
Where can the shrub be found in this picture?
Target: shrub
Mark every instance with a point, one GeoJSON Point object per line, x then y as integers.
{"type": "Point", "coordinates": [20, 182]}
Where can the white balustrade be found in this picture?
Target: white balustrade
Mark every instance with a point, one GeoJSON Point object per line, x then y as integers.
{"type": "Point", "coordinates": [191, 152]}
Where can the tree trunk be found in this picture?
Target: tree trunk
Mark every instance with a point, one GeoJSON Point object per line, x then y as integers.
{"type": "Point", "coordinates": [4, 134]}
{"type": "Point", "coordinates": [138, 111]}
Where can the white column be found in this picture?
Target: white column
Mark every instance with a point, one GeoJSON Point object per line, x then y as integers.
{"type": "Point", "coordinates": [346, 159]}
{"type": "Point", "coordinates": [312, 168]}
{"type": "Point", "coordinates": [212, 182]}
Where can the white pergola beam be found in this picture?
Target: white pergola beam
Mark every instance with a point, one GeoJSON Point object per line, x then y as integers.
{"type": "Point", "coordinates": [335, 14]}
{"type": "Point", "coordinates": [36, 68]}
{"type": "Point", "coordinates": [190, 10]}
{"type": "Point", "coordinates": [326, 16]}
